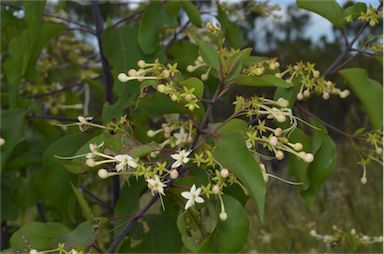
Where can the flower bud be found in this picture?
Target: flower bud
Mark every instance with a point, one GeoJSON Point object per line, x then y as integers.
{"type": "Point", "coordinates": [278, 131]}
{"type": "Point", "coordinates": [216, 189]}
{"type": "Point", "coordinates": [132, 73]}
{"type": "Point", "coordinates": [272, 66]}
{"type": "Point", "coordinates": [279, 155]}
{"type": "Point", "coordinates": [329, 83]}
{"type": "Point", "coordinates": [273, 141]}
{"type": "Point", "coordinates": [161, 88]}
{"type": "Point", "coordinates": [90, 162]}
{"type": "Point", "coordinates": [308, 157]}
{"type": "Point", "coordinates": [313, 232]}
{"type": "Point", "coordinates": [277, 64]}
{"type": "Point", "coordinates": [166, 74]}
{"type": "Point", "coordinates": [2, 141]}
{"type": "Point", "coordinates": [316, 74]}
{"type": "Point", "coordinates": [298, 146]}
{"type": "Point", "coordinates": [174, 97]}
{"type": "Point", "coordinates": [379, 150]}
{"type": "Point", "coordinates": [189, 97]}
{"type": "Point", "coordinates": [344, 94]}
{"type": "Point", "coordinates": [280, 118]}
{"type": "Point", "coordinates": [204, 77]}
{"type": "Point", "coordinates": [33, 251]}
{"type": "Point", "coordinates": [174, 174]}
{"type": "Point", "coordinates": [248, 144]}
{"type": "Point", "coordinates": [325, 95]}
{"type": "Point", "coordinates": [300, 96]}
{"type": "Point", "coordinates": [223, 216]}
{"type": "Point", "coordinates": [283, 102]}
{"type": "Point", "coordinates": [372, 23]}
{"type": "Point", "coordinates": [103, 173]}
{"type": "Point", "coordinates": [200, 59]}
{"type": "Point", "coordinates": [191, 107]}
{"type": "Point", "coordinates": [141, 63]}
{"type": "Point", "coordinates": [353, 231]}
{"type": "Point", "coordinates": [224, 173]}
{"type": "Point", "coordinates": [190, 68]}
{"type": "Point", "coordinates": [259, 71]}
{"type": "Point", "coordinates": [122, 77]}
{"type": "Point", "coordinates": [151, 133]}
{"type": "Point", "coordinates": [278, 75]}
{"type": "Point", "coordinates": [363, 180]}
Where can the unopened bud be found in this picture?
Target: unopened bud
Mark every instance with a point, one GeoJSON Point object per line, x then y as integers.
{"type": "Point", "coordinates": [283, 102]}
{"type": "Point", "coordinates": [300, 96]}
{"type": "Point", "coordinates": [122, 77]}
{"type": "Point", "coordinates": [298, 146]}
{"type": "Point", "coordinates": [224, 173]}
{"type": "Point", "coordinates": [132, 73]}
{"type": "Point", "coordinates": [325, 96]}
{"type": "Point", "coordinates": [90, 162]}
{"type": "Point", "coordinates": [316, 74]}
{"type": "Point", "coordinates": [151, 133]}
{"type": "Point", "coordinates": [308, 158]}
{"type": "Point", "coordinates": [279, 155]}
{"type": "Point", "coordinates": [174, 97]}
{"type": "Point", "coordinates": [372, 23]}
{"type": "Point", "coordinates": [174, 174]}
{"type": "Point", "coordinates": [161, 88]}
{"type": "Point", "coordinates": [141, 63]}
{"type": "Point", "coordinates": [307, 93]}
{"type": "Point", "coordinates": [190, 68]}
{"type": "Point", "coordinates": [103, 173]}
{"type": "Point", "coordinates": [344, 94]}
{"type": "Point", "coordinates": [278, 131]}
{"type": "Point", "coordinates": [216, 189]}
{"type": "Point", "coordinates": [204, 77]}
{"type": "Point", "coordinates": [223, 216]}
{"type": "Point", "coordinates": [273, 141]}
{"type": "Point", "coordinates": [2, 141]}
{"type": "Point", "coordinates": [363, 180]}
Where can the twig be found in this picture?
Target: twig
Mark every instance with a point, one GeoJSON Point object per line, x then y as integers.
{"type": "Point", "coordinates": [97, 199]}
{"type": "Point", "coordinates": [108, 83]}
{"type": "Point", "coordinates": [40, 211]}
{"type": "Point", "coordinates": [128, 18]}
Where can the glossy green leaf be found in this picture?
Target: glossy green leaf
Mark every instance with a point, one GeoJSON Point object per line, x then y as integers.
{"type": "Point", "coordinates": [369, 92]}
{"type": "Point", "coordinates": [328, 9]}
{"type": "Point", "coordinates": [148, 34]}
{"type": "Point", "coordinates": [81, 237]}
{"type": "Point", "coordinates": [264, 80]}
{"type": "Point", "coordinates": [232, 31]}
{"type": "Point", "coordinates": [155, 234]}
{"type": "Point", "coordinates": [183, 52]}
{"type": "Point", "coordinates": [209, 54]}
{"type": "Point", "coordinates": [232, 153]}
{"type": "Point", "coordinates": [41, 236]}
{"type": "Point", "coordinates": [195, 83]}
{"type": "Point", "coordinates": [236, 63]}
{"type": "Point", "coordinates": [230, 235]}
{"type": "Point", "coordinates": [169, 13]}
{"type": "Point", "coordinates": [355, 10]}
{"type": "Point", "coordinates": [192, 12]}
{"type": "Point", "coordinates": [12, 131]}
{"type": "Point", "coordinates": [86, 210]}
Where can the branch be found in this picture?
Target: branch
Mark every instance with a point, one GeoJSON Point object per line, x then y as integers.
{"type": "Point", "coordinates": [128, 18]}
{"type": "Point", "coordinates": [97, 199]}
{"type": "Point", "coordinates": [108, 83]}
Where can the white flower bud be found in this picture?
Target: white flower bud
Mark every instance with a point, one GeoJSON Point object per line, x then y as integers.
{"type": "Point", "coordinates": [344, 94]}
{"type": "Point", "coordinates": [223, 216]}
{"type": "Point", "coordinates": [224, 173]}
{"type": "Point", "coordinates": [103, 173]}
{"type": "Point", "coordinates": [277, 64]}
{"type": "Point", "coordinates": [272, 66]}
{"type": "Point", "coordinates": [123, 77]}
{"type": "Point", "coordinates": [273, 141]}
{"type": "Point", "coordinates": [174, 97]}
{"type": "Point", "coordinates": [316, 74]}
{"type": "Point", "coordinates": [141, 63]}
{"type": "Point", "coordinates": [259, 71]}
{"type": "Point", "coordinates": [204, 77]}
{"type": "Point", "coordinates": [191, 107]}
{"type": "Point", "coordinates": [174, 174]}
{"type": "Point", "coordinates": [2, 141]}
{"type": "Point", "coordinates": [279, 155]}
{"type": "Point", "coordinates": [216, 189]}
{"type": "Point", "coordinates": [189, 97]}
{"type": "Point", "coordinates": [151, 133]}
{"type": "Point", "coordinates": [325, 95]}
{"type": "Point", "coordinates": [307, 93]}
{"type": "Point", "coordinates": [190, 68]}
{"type": "Point", "coordinates": [363, 180]}
{"type": "Point", "coordinates": [328, 83]}
{"type": "Point", "coordinates": [379, 150]}
{"type": "Point", "coordinates": [300, 96]}
{"type": "Point", "coordinates": [280, 118]}
{"type": "Point", "coordinates": [166, 74]}
{"type": "Point", "coordinates": [353, 231]}
{"type": "Point", "coordinates": [278, 75]}
{"type": "Point", "coordinates": [313, 232]}
{"type": "Point", "coordinates": [90, 162]}
{"type": "Point", "coordinates": [132, 73]}
{"type": "Point", "coordinates": [278, 131]}
{"type": "Point", "coordinates": [372, 23]}
{"type": "Point", "coordinates": [308, 157]}
{"type": "Point", "coordinates": [200, 59]}
{"type": "Point", "coordinates": [248, 145]}
{"type": "Point", "coordinates": [298, 146]}
{"type": "Point", "coordinates": [33, 251]}
{"type": "Point", "coordinates": [161, 88]}
{"type": "Point", "coordinates": [283, 102]}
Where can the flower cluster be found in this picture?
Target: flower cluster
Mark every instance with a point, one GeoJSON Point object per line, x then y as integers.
{"type": "Point", "coordinates": [372, 16]}
{"type": "Point", "coordinates": [60, 249]}
{"type": "Point", "coordinates": [213, 28]}
{"type": "Point", "coordinates": [199, 63]}
{"type": "Point", "coordinates": [260, 68]}
{"type": "Point", "coordinates": [310, 81]}
{"type": "Point", "coordinates": [338, 237]}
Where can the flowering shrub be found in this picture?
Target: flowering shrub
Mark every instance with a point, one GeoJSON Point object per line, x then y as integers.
{"type": "Point", "coordinates": [157, 138]}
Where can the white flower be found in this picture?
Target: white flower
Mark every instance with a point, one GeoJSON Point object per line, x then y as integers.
{"type": "Point", "coordinates": [193, 196]}
{"type": "Point", "coordinates": [181, 137]}
{"type": "Point", "coordinates": [124, 160]}
{"type": "Point", "coordinates": [155, 185]}
{"type": "Point", "coordinates": [181, 158]}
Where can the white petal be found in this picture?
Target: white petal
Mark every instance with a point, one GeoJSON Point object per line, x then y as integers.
{"type": "Point", "coordinates": [197, 192]}
{"type": "Point", "coordinates": [188, 204]}
{"type": "Point", "coordinates": [175, 156]}
{"type": "Point", "coordinates": [186, 195]}
{"type": "Point", "coordinates": [185, 160]}
{"type": "Point", "coordinates": [132, 163]}
{"type": "Point", "coordinates": [193, 189]}
{"type": "Point", "coordinates": [176, 164]}
{"type": "Point", "coordinates": [199, 200]}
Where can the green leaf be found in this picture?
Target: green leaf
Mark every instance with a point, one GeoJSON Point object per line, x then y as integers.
{"type": "Point", "coordinates": [369, 92]}
{"type": "Point", "coordinates": [123, 51]}
{"type": "Point", "coordinates": [144, 149]}
{"type": "Point", "coordinates": [209, 54]}
{"type": "Point", "coordinates": [232, 153]}
{"type": "Point", "coordinates": [12, 131]}
{"type": "Point", "coordinates": [86, 210]}
{"type": "Point", "coordinates": [192, 12]}
{"type": "Point", "coordinates": [236, 63]}
{"type": "Point", "coordinates": [355, 10]}
{"type": "Point", "coordinates": [81, 237]}
{"type": "Point", "coordinates": [322, 167]}
{"type": "Point", "coordinates": [61, 200]}
{"type": "Point", "coordinates": [155, 234]}
{"type": "Point", "coordinates": [195, 83]}
{"type": "Point", "coordinates": [328, 9]}
{"type": "Point", "coordinates": [232, 31]}
{"type": "Point", "coordinates": [41, 236]}
{"type": "Point", "coordinates": [148, 35]}
{"type": "Point", "coordinates": [169, 13]}
{"type": "Point", "coordinates": [183, 52]}
{"type": "Point", "coordinates": [230, 235]}
{"type": "Point", "coordinates": [264, 80]}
